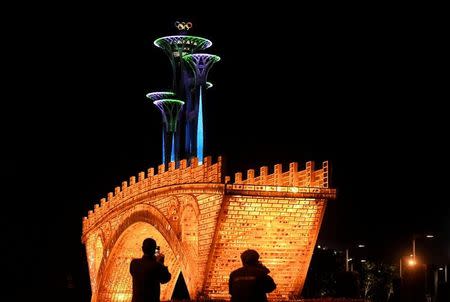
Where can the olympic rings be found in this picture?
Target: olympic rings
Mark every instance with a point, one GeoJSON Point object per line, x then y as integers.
{"type": "Point", "coordinates": [183, 25]}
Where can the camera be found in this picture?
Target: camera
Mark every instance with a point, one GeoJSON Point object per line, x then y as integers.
{"type": "Point", "coordinates": [157, 251]}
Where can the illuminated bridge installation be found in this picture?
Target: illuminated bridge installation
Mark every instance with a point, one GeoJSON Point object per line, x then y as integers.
{"type": "Point", "coordinates": [203, 221]}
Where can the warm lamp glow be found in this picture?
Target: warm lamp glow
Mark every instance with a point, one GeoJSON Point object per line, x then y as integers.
{"type": "Point", "coordinates": [412, 262]}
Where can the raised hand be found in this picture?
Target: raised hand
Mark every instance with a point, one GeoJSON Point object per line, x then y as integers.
{"type": "Point", "coordinates": [160, 258]}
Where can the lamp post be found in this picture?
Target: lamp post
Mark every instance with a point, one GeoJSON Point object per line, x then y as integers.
{"type": "Point", "coordinates": [410, 262]}
{"type": "Point", "coordinates": [413, 260]}
{"type": "Point", "coordinates": [445, 273]}
{"type": "Point", "coordinates": [347, 259]}
{"type": "Point", "coordinates": [429, 236]}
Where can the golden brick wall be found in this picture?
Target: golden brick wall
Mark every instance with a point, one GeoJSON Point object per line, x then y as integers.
{"type": "Point", "coordinates": [203, 222]}
{"type": "Point", "coordinates": [282, 230]}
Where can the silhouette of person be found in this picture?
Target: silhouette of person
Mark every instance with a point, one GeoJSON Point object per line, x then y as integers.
{"type": "Point", "coordinates": [252, 281]}
{"type": "Point", "coordinates": [148, 273]}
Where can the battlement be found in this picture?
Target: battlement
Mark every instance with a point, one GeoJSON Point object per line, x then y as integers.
{"type": "Point", "coordinates": [309, 177]}
{"type": "Point", "coordinates": [184, 174]}
{"type": "Point", "coordinates": [305, 183]}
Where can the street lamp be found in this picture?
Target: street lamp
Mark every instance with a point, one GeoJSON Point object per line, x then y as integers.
{"type": "Point", "coordinates": [412, 262]}
{"type": "Point", "coordinates": [347, 259]}
{"type": "Point", "coordinates": [429, 236]}
{"type": "Point", "coordinates": [445, 273]}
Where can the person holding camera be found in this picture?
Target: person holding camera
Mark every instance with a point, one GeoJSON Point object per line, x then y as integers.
{"type": "Point", "coordinates": [252, 281]}
{"type": "Point", "coordinates": [148, 273]}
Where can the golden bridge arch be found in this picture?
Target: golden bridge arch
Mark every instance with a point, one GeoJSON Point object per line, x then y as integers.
{"type": "Point", "coordinates": [203, 222]}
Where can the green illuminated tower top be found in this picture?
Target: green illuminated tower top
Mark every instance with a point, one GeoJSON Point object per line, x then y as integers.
{"type": "Point", "coordinates": [190, 70]}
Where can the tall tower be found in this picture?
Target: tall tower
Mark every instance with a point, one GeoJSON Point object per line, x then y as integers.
{"type": "Point", "coordinates": [170, 109]}
{"type": "Point", "coordinates": [200, 65]}
{"type": "Point", "coordinates": [189, 74]}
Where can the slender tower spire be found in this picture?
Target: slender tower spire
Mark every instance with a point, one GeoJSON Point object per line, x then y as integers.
{"type": "Point", "coordinates": [154, 97]}
{"type": "Point", "coordinates": [200, 65]}
{"type": "Point", "coordinates": [189, 75]}
{"type": "Point", "coordinates": [170, 109]}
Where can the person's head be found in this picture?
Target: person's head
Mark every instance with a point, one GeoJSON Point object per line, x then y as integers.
{"type": "Point", "coordinates": [149, 246]}
{"type": "Point", "coordinates": [250, 257]}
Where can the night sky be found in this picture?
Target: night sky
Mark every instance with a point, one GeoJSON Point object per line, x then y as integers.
{"type": "Point", "coordinates": [364, 90]}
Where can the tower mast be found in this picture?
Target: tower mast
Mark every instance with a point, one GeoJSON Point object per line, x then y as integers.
{"type": "Point", "coordinates": [189, 74]}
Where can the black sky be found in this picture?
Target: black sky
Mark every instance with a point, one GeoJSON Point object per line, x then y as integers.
{"type": "Point", "coordinates": [364, 88]}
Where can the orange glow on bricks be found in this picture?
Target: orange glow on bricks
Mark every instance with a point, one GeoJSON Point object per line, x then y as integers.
{"type": "Point", "coordinates": [203, 222]}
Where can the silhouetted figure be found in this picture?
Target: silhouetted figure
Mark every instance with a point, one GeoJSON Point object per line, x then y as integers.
{"type": "Point", "coordinates": [252, 281]}
{"type": "Point", "coordinates": [148, 273]}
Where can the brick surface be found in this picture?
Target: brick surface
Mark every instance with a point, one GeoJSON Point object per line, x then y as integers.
{"type": "Point", "coordinates": [203, 222]}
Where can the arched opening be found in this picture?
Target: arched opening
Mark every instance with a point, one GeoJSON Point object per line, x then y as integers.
{"type": "Point", "coordinates": [116, 283]}
{"type": "Point", "coordinates": [180, 292]}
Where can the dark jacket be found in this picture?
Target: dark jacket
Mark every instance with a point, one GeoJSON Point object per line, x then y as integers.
{"type": "Point", "coordinates": [147, 275]}
{"type": "Point", "coordinates": [250, 283]}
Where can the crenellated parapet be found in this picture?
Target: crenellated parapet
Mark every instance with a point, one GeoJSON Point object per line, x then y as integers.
{"type": "Point", "coordinates": [207, 172]}
{"type": "Point", "coordinates": [308, 182]}
{"type": "Point", "coordinates": [308, 177]}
